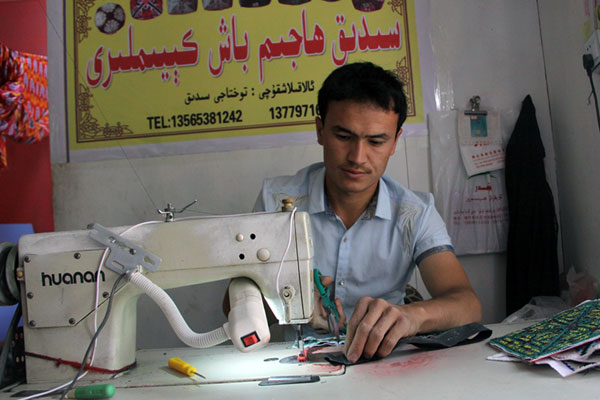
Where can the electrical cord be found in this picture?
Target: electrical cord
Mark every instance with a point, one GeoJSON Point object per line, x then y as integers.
{"type": "Point", "coordinates": [96, 329]}
{"type": "Point", "coordinates": [91, 345]}
{"type": "Point", "coordinates": [291, 230]}
{"type": "Point", "coordinates": [588, 65]}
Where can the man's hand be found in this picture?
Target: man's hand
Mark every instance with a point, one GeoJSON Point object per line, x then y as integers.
{"type": "Point", "coordinates": [375, 327]}
{"type": "Point", "coordinates": [319, 320]}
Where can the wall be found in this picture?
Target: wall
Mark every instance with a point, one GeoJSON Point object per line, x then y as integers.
{"type": "Point", "coordinates": [491, 49]}
{"type": "Point", "coordinates": [26, 184]}
{"type": "Point", "coordinates": [576, 132]}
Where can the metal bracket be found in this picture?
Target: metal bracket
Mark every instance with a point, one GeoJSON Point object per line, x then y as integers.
{"type": "Point", "coordinates": [170, 211]}
{"type": "Point", "coordinates": [124, 255]}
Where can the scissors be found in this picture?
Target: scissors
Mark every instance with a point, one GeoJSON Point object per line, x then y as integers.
{"type": "Point", "coordinates": [332, 314]}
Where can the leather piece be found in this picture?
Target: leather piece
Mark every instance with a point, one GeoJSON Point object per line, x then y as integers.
{"type": "Point", "coordinates": [459, 336]}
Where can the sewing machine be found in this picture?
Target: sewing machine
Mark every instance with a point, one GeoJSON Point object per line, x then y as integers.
{"type": "Point", "coordinates": [57, 274]}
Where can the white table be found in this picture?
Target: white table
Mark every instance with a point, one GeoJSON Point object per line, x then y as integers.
{"type": "Point", "coordinates": [409, 373]}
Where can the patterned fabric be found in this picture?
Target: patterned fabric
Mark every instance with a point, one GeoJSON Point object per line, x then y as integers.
{"type": "Point", "coordinates": [216, 4]}
{"type": "Point", "coordinates": [564, 331]}
{"type": "Point", "coordinates": [367, 5]}
{"type": "Point", "coordinates": [181, 6]}
{"type": "Point", "coordinates": [23, 98]}
{"type": "Point", "coordinates": [412, 295]}
{"type": "Point", "coordinates": [146, 9]}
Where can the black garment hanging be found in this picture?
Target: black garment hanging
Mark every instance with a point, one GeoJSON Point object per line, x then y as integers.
{"type": "Point", "coordinates": [532, 258]}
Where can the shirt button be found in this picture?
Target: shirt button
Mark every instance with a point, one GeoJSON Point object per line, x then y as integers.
{"type": "Point", "coordinates": [345, 239]}
{"type": "Point", "coordinates": [342, 283]}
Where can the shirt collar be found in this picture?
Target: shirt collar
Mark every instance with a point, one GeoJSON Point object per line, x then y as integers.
{"type": "Point", "coordinates": [380, 203]}
{"type": "Point", "coordinates": [316, 192]}
{"type": "Point", "coordinates": [383, 202]}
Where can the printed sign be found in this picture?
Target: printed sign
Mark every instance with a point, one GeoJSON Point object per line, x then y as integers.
{"type": "Point", "coordinates": [159, 71]}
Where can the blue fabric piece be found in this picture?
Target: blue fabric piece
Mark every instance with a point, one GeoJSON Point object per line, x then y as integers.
{"type": "Point", "coordinates": [12, 232]}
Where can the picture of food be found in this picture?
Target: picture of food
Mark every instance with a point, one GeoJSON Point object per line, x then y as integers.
{"type": "Point", "coordinates": [254, 3]}
{"type": "Point", "coordinates": [146, 9]}
{"type": "Point", "coordinates": [216, 4]}
{"type": "Point", "coordinates": [293, 2]}
{"type": "Point", "coordinates": [367, 5]}
{"type": "Point", "coordinates": [176, 7]}
{"type": "Point", "coordinates": [110, 18]}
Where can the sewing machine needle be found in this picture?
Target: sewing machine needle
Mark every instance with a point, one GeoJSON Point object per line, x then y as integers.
{"type": "Point", "coordinates": [301, 351]}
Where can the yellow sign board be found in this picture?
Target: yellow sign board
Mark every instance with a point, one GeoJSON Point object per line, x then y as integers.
{"type": "Point", "coordinates": [156, 71]}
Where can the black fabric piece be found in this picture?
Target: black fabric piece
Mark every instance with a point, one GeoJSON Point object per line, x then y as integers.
{"type": "Point", "coordinates": [532, 258]}
{"type": "Point", "coordinates": [458, 336]}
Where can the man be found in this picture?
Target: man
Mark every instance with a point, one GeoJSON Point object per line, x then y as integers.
{"type": "Point", "coordinates": [369, 232]}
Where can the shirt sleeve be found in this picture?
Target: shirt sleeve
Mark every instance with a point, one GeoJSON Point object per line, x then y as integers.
{"type": "Point", "coordinates": [432, 234]}
{"type": "Point", "coordinates": [259, 205]}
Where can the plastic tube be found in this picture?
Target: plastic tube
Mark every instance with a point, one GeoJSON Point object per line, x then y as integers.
{"type": "Point", "coordinates": [180, 327]}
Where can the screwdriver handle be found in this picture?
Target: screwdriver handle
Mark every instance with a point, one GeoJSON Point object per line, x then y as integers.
{"type": "Point", "coordinates": [178, 364]}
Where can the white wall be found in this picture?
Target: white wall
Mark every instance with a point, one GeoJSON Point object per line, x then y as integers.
{"type": "Point", "coordinates": [576, 132]}
{"type": "Point", "coordinates": [490, 48]}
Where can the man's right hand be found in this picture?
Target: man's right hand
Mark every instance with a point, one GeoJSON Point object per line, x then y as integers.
{"type": "Point", "coordinates": [319, 320]}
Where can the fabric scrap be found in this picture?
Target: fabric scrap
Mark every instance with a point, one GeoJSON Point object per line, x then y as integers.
{"type": "Point", "coordinates": [459, 336]}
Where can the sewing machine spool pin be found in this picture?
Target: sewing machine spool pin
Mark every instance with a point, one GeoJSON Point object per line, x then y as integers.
{"type": "Point", "coordinates": [170, 211]}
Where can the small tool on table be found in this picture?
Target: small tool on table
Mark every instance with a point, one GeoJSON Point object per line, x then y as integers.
{"type": "Point", "coordinates": [286, 380]}
{"type": "Point", "coordinates": [103, 391]}
{"type": "Point", "coordinates": [178, 364]}
{"type": "Point", "coordinates": [332, 314]}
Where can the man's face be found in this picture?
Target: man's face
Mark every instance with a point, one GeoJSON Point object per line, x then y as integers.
{"type": "Point", "coordinates": [358, 140]}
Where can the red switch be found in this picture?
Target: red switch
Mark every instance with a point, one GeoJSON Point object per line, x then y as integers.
{"type": "Point", "coordinates": [250, 339]}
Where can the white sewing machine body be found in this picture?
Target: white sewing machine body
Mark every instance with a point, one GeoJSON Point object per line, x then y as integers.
{"type": "Point", "coordinates": [57, 277]}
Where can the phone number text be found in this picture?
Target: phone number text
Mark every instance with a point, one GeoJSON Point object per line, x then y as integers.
{"type": "Point", "coordinates": [194, 119]}
{"type": "Point", "coordinates": [294, 111]}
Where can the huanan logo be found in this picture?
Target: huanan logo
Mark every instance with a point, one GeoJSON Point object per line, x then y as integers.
{"type": "Point", "coordinates": [66, 278]}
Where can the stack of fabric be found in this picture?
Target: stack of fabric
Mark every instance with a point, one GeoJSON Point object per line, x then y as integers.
{"type": "Point", "coordinates": [569, 341]}
{"type": "Point", "coordinates": [23, 98]}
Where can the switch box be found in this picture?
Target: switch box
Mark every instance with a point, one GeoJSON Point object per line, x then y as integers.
{"type": "Point", "coordinates": [592, 46]}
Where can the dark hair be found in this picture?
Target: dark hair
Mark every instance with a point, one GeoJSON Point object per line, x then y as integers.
{"type": "Point", "coordinates": [364, 82]}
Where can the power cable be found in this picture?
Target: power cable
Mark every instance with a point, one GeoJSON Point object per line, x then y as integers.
{"type": "Point", "coordinates": [588, 65]}
{"type": "Point", "coordinates": [91, 345]}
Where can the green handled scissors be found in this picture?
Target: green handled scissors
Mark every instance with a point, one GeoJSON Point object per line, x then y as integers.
{"type": "Point", "coordinates": [332, 313]}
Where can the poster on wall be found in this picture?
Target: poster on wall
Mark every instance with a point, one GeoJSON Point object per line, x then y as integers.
{"type": "Point", "coordinates": [177, 76]}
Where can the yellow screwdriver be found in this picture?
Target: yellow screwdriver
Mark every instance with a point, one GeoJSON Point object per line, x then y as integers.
{"type": "Point", "coordinates": [179, 365]}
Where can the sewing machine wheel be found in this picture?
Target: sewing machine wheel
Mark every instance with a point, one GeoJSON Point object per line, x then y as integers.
{"type": "Point", "coordinates": [9, 288]}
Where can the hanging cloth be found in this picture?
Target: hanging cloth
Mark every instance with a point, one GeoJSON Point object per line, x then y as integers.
{"type": "Point", "coordinates": [532, 258]}
{"type": "Point", "coordinates": [23, 98]}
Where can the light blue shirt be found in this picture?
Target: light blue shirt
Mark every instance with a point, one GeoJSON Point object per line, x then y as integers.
{"type": "Point", "coordinates": [377, 255]}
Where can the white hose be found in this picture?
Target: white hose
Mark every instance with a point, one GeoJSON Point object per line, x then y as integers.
{"type": "Point", "coordinates": [180, 327]}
